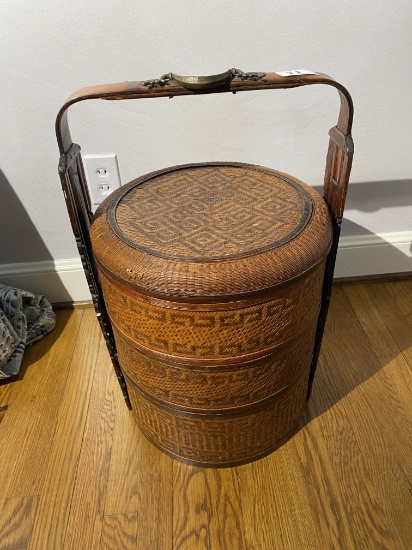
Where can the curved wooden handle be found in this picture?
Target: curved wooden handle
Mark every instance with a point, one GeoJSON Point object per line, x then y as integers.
{"type": "Point", "coordinates": [166, 86]}
{"type": "Point", "coordinates": [340, 153]}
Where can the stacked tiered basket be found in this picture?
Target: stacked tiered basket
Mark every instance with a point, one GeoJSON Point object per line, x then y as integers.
{"type": "Point", "coordinates": [212, 281]}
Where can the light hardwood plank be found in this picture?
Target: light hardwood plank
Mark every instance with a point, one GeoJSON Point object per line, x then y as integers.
{"type": "Point", "coordinates": [393, 380]}
{"type": "Point", "coordinates": [30, 422]}
{"type": "Point", "coordinates": [5, 392]}
{"type": "Point", "coordinates": [360, 433]}
{"type": "Point", "coordinates": [124, 476]}
{"type": "Point", "coordinates": [87, 505]}
{"type": "Point", "coordinates": [385, 335]}
{"type": "Point", "coordinates": [394, 304]}
{"type": "Point", "coordinates": [56, 494]}
{"type": "Point", "coordinates": [314, 490]}
{"type": "Point", "coordinates": [291, 499]}
{"type": "Point", "coordinates": [17, 517]}
{"type": "Point", "coordinates": [31, 355]}
{"type": "Point", "coordinates": [140, 481]}
{"type": "Point", "coordinates": [119, 532]}
{"type": "Point", "coordinates": [3, 410]}
{"type": "Point", "coordinates": [206, 509]}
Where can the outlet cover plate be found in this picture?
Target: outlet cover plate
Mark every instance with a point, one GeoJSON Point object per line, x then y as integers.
{"type": "Point", "coordinates": [102, 176]}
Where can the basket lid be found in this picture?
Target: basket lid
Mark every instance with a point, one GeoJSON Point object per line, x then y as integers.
{"type": "Point", "coordinates": [212, 229]}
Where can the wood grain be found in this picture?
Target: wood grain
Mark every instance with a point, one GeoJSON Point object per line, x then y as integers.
{"type": "Point", "coordinates": [35, 404]}
{"type": "Point", "coordinates": [139, 484]}
{"type": "Point", "coordinates": [3, 410]}
{"type": "Point", "coordinates": [87, 504]}
{"type": "Point", "coordinates": [17, 518]}
{"type": "Point", "coordinates": [119, 531]}
{"type": "Point", "coordinates": [368, 468]}
{"type": "Point", "coordinates": [57, 491]}
{"type": "Point", "coordinates": [76, 471]}
{"type": "Point", "coordinates": [284, 488]}
{"type": "Point", "coordinates": [393, 301]}
{"type": "Point", "coordinates": [206, 509]}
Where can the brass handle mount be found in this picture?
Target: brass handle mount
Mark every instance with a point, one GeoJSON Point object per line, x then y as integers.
{"type": "Point", "coordinates": [202, 82]}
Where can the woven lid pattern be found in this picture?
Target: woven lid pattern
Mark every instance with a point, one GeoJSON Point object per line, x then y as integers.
{"type": "Point", "coordinates": [210, 212]}
{"type": "Point", "coordinates": [218, 229]}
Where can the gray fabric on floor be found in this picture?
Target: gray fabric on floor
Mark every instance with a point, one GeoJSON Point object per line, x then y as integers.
{"type": "Point", "coordinates": [24, 319]}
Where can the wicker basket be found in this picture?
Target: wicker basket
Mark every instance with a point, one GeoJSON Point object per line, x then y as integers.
{"type": "Point", "coordinates": [212, 276]}
{"type": "Point", "coordinates": [214, 281]}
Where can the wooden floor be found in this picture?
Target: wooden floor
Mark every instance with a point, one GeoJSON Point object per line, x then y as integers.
{"type": "Point", "coordinates": [76, 473]}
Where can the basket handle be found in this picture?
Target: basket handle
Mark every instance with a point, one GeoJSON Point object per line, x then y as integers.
{"type": "Point", "coordinates": [340, 152]}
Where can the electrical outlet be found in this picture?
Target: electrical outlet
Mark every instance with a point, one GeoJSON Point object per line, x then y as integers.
{"type": "Point", "coordinates": [102, 176]}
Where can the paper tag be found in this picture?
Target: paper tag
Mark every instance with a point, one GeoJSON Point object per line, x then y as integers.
{"type": "Point", "coordinates": [296, 72]}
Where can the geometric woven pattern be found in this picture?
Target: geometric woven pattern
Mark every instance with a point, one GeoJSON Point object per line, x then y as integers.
{"type": "Point", "coordinates": [217, 388]}
{"type": "Point", "coordinates": [220, 440]}
{"type": "Point", "coordinates": [214, 335]}
{"type": "Point", "coordinates": [211, 212]}
{"type": "Point", "coordinates": [212, 276]}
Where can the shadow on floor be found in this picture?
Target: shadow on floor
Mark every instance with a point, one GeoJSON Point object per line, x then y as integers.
{"type": "Point", "coordinates": [354, 352]}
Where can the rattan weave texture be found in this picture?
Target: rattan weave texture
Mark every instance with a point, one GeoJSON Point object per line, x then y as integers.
{"type": "Point", "coordinates": [216, 386]}
{"type": "Point", "coordinates": [224, 440]}
{"type": "Point", "coordinates": [223, 279]}
{"type": "Point", "coordinates": [211, 212]}
{"type": "Point", "coordinates": [214, 334]}
{"type": "Point", "coordinates": [212, 277]}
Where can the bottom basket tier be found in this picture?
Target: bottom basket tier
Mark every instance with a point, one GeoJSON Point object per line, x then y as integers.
{"type": "Point", "coordinates": [221, 439]}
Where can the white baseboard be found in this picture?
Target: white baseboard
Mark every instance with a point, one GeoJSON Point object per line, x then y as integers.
{"type": "Point", "coordinates": [358, 256]}
{"type": "Point", "coordinates": [366, 255]}
{"type": "Point", "coordinates": [58, 280]}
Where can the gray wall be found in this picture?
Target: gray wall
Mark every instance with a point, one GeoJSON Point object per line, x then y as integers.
{"type": "Point", "coordinates": [48, 49]}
